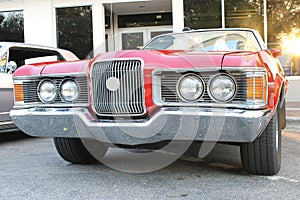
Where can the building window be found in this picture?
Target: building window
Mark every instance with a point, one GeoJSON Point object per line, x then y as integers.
{"type": "Point", "coordinates": [74, 30]}
{"type": "Point", "coordinates": [108, 18]}
{"type": "Point", "coordinates": [202, 14]}
{"type": "Point", "coordinates": [12, 26]}
{"type": "Point", "coordinates": [245, 14]}
{"type": "Point", "coordinates": [156, 19]}
{"type": "Point", "coordinates": [132, 40]}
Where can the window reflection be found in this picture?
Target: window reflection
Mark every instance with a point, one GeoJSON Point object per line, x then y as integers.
{"type": "Point", "coordinates": [74, 30]}
{"type": "Point", "coordinates": [12, 26]}
{"type": "Point", "coordinates": [132, 40]}
{"type": "Point", "coordinates": [155, 19]}
{"type": "Point", "coordinates": [245, 14]}
{"type": "Point", "coordinates": [202, 14]}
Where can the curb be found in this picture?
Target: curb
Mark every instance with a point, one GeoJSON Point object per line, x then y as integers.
{"type": "Point", "coordinates": [293, 119]}
{"type": "Point", "coordinates": [293, 124]}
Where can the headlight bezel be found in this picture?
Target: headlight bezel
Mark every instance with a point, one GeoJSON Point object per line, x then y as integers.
{"type": "Point", "coordinates": [210, 91]}
{"type": "Point", "coordinates": [63, 97]}
{"type": "Point", "coordinates": [198, 94]}
{"type": "Point", "coordinates": [41, 96]}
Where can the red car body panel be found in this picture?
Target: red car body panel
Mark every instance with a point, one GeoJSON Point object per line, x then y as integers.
{"type": "Point", "coordinates": [172, 59]}
{"type": "Point", "coordinates": [52, 68]}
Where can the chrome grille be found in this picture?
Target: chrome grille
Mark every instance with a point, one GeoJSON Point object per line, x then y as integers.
{"type": "Point", "coordinates": [30, 91]}
{"type": "Point", "coordinates": [128, 96]}
{"type": "Point", "coordinates": [169, 80]}
{"type": "Point", "coordinates": [31, 96]}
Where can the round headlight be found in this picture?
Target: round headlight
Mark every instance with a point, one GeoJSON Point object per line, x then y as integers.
{"type": "Point", "coordinates": [222, 88]}
{"type": "Point", "coordinates": [190, 87]}
{"type": "Point", "coordinates": [47, 91]}
{"type": "Point", "coordinates": [69, 90]}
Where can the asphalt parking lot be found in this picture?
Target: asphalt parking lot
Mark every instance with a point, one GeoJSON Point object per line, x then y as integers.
{"type": "Point", "coordinates": [31, 169]}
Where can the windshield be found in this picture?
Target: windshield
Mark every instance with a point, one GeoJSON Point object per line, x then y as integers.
{"type": "Point", "coordinates": [206, 41]}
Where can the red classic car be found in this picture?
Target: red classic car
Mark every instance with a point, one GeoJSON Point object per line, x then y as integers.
{"type": "Point", "coordinates": [218, 85]}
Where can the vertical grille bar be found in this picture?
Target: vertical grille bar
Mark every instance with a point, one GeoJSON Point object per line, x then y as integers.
{"type": "Point", "coordinates": [128, 97]}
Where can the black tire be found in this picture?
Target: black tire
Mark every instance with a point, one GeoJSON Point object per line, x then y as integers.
{"type": "Point", "coordinates": [73, 150]}
{"type": "Point", "coordinates": [263, 155]}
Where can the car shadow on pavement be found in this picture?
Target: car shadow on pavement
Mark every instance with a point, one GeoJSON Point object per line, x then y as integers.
{"type": "Point", "coordinates": [222, 159]}
{"type": "Point", "coordinates": [12, 136]}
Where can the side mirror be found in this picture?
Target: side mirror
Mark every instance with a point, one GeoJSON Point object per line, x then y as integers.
{"type": "Point", "coordinates": [11, 67]}
{"type": "Point", "coordinates": [276, 52]}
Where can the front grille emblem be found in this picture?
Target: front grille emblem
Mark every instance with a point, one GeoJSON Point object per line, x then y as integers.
{"type": "Point", "coordinates": [113, 84]}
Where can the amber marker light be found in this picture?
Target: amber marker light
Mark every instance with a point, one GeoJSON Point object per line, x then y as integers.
{"type": "Point", "coordinates": [19, 93]}
{"type": "Point", "coordinates": [256, 88]}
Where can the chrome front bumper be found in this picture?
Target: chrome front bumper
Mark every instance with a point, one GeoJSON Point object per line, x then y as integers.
{"type": "Point", "coordinates": [198, 124]}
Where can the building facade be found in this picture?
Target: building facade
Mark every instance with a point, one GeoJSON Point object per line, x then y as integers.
{"type": "Point", "coordinates": [88, 27]}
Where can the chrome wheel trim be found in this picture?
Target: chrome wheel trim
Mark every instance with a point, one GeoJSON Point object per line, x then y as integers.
{"type": "Point", "coordinates": [276, 134]}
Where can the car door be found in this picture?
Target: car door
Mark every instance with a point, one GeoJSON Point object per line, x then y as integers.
{"type": "Point", "coordinates": [6, 92]}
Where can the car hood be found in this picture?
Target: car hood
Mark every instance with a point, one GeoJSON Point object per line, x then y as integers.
{"type": "Point", "coordinates": [187, 59]}
{"type": "Point", "coordinates": [62, 67]}
{"type": "Point", "coordinates": [152, 60]}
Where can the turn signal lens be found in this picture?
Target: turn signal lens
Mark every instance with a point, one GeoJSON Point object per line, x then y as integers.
{"type": "Point", "coordinates": [256, 88]}
{"type": "Point", "coordinates": [19, 93]}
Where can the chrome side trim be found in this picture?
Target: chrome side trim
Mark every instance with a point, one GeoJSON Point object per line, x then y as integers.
{"type": "Point", "coordinates": [8, 126]}
{"type": "Point", "coordinates": [4, 113]}
{"type": "Point", "coordinates": [42, 106]}
{"type": "Point", "coordinates": [36, 77]}
{"type": "Point", "coordinates": [5, 123]}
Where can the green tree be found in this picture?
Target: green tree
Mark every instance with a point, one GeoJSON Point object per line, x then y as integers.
{"type": "Point", "coordinates": [283, 18]}
{"type": "Point", "coordinates": [12, 26]}
{"type": "Point", "coordinates": [1, 19]}
{"type": "Point", "coordinates": [74, 30]}
{"type": "Point", "coordinates": [245, 14]}
{"type": "Point", "coordinates": [202, 14]}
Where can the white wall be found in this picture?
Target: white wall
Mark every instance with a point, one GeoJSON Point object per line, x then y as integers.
{"type": "Point", "coordinates": [178, 15]}
{"type": "Point", "coordinates": [11, 5]}
{"type": "Point", "coordinates": [293, 93]}
{"type": "Point", "coordinates": [98, 28]}
{"type": "Point", "coordinates": [38, 22]}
